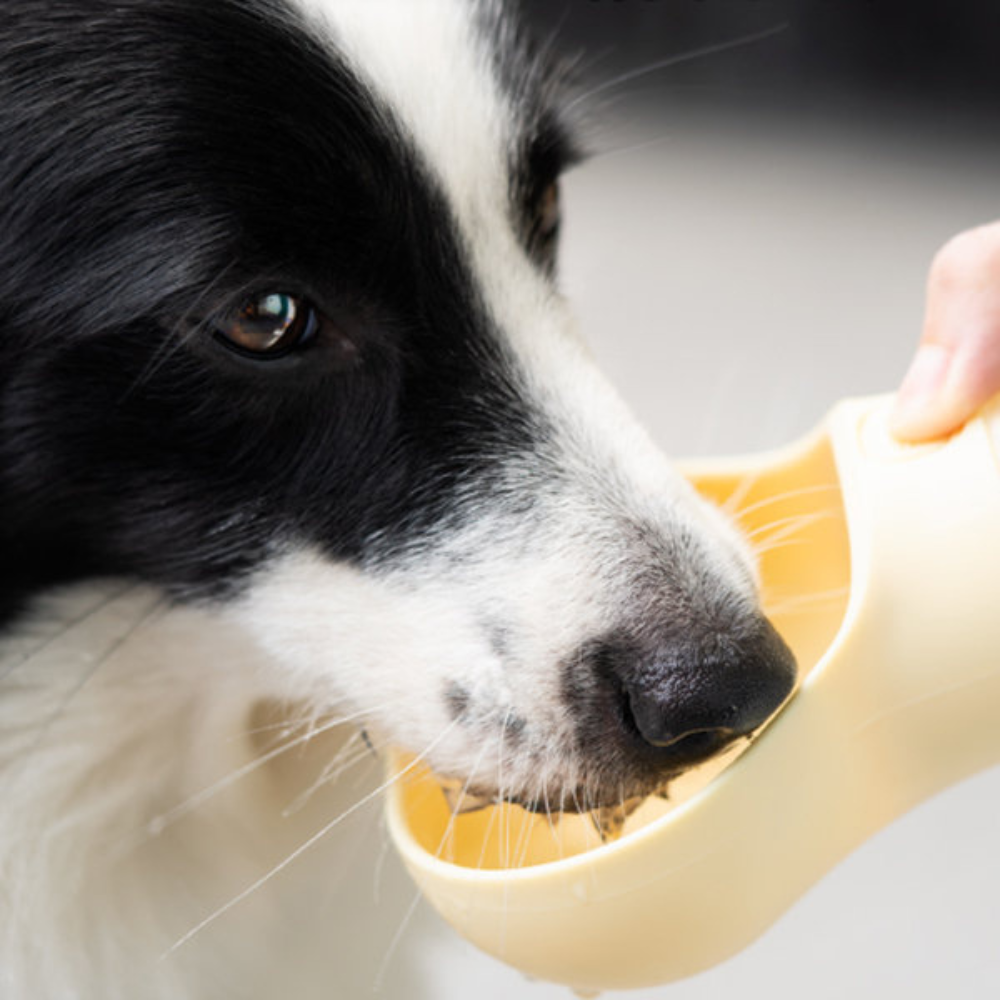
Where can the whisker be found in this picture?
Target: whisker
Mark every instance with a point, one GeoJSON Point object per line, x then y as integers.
{"type": "Point", "coordinates": [765, 547]}
{"type": "Point", "coordinates": [803, 602]}
{"type": "Point", "coordinates": [342, 761]}
{"type": "Point", "coordinates": [156, 607]}
{"type": "Point", "coordinates": [450, 826]}
{"type": "Point", "coordinates": [732, 502]}
{"type": "Point", "coordinates": [378, 869]}
{"type": "Point", "coordinates": [674, 60]}
{"type": "Point", "coordinates": [159, 823]}
{"type": "Point", "coordinates": [186, 328]}
{"type": "Point", "coordinates": [553, 829]}
{"type": "Point", "coordinates": [307, 844]}
{"type": "Point", "coordinates": [286, 727]}
{"type": "Point", "coordinates": [789, 525]}
{"type": "Point", "coordinates": [784, 495]}
{"type": "Point", "coordinates": [67, 626]}
{"type": "Point", "coordinates": [630, 148]}
{"type": "Point", "coordinates": [505, 832]}
{"type": "Point", "coordinates": [523, 840]}
{"type": "Point", "coordinates": [390, 950]}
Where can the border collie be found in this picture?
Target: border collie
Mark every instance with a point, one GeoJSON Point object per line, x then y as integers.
{"type": "Point", "coordinates": [296, 428]}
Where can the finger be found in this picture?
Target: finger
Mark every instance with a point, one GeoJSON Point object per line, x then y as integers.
{"type": "Point", "coordinates": [957, 366]}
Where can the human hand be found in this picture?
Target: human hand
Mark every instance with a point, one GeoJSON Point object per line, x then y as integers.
{"type": "Point", "coordinates": [957, 365]}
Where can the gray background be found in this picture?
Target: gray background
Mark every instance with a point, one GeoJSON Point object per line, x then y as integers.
{"type": "Point", "coordinates": [749, 246]}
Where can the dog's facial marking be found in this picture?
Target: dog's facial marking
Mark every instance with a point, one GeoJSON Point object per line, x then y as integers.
{"type": "Point", "coordinates": [500, 640]}
{"type": "Point", "coordinates": [458, 700]}
{"type": "Point", "coordinates": [514, 727]}
{"type": "Point", "coordinates": [333, 201]}
{"type": "Point", "coordinates": [408, 442]}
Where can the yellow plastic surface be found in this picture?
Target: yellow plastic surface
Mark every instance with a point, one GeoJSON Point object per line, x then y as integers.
{"type": "Point", "coordinates": [879, 564]}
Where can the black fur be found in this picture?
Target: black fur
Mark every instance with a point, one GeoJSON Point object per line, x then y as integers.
{"type": "Point", "coordinates": [161, 161]}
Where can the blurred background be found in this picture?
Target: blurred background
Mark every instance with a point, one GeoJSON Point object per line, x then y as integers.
{"type": "Point", "coordinates": [769, 182]}
{"type": "Point", "coordinates": [747, 245]}
{"type": "Point", "coordinates": [923, 56]}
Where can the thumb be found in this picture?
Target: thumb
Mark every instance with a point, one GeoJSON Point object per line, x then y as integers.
{"type": "Point", "coordinates": [957, 365]}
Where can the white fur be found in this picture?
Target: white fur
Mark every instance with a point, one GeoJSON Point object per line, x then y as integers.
{"type": "Point", "coordinates": [127, 728]}
{"type": "Point", "coordinates": [117, 711]}
{"type": "Point", "coordinates": [557, 573]}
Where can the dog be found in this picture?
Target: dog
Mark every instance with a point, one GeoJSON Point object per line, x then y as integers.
{"type": "Point", "coordinates": [296, 429]}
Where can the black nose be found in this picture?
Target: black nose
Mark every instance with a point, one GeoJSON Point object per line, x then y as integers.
{"type": "Point", "coordinates": [688, 696]}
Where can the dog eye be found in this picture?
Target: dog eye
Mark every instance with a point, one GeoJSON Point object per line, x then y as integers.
{"type": "Point", "coordinates": [269, 325]}
{"type": "Point", "coordinates": [544, 222]}
{"type": "Point", "coordinates": [547, 213]}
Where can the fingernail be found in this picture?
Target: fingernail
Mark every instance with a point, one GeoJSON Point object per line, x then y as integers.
{"type": "Point", "coordinates": [918, 404]}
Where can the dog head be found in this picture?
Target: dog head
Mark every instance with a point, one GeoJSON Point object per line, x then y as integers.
{"type": "Point", "coordinates": [283, 336]}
